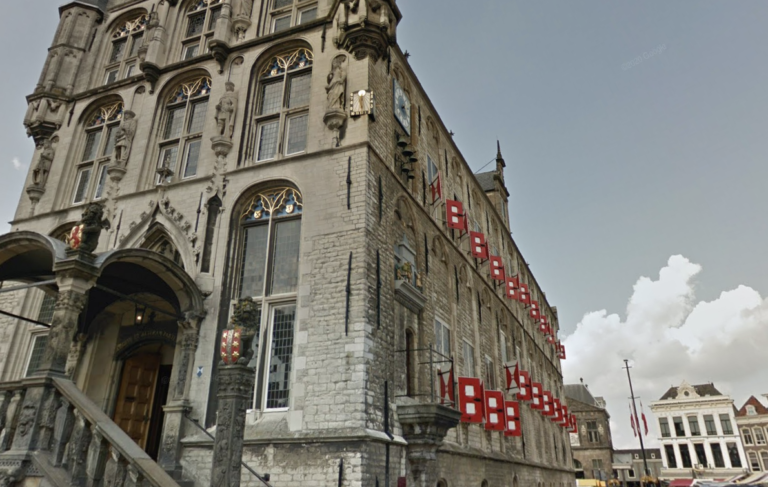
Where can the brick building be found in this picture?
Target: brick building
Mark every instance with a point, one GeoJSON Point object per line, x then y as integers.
{"type": "Point", "coordinates": [752, 422]}
{"type": "Point", "coordinates": [278, 157]}
{"type": "Point", "coordinates": [592, 446]}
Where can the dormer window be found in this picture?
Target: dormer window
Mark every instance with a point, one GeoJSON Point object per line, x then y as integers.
{"type": "Point", "coordinates": [751, 411]}
{"type": "Point", "coordinates": [288, 13]}
{"type": "Point", "coordinates": [201, 22]}
{"type": "Point", "coordinates": [123, 57]}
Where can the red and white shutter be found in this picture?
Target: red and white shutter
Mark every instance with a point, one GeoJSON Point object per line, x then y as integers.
{"type": "Point", "coordinates": [557, 410]}
{"type": "Point", "coordinates": [546, 399]}
{"type": "Point", "coordinates": [436, 187]}
{"type": "Point", "coordinates": [494, 411]}
{"type": "Point", "coordinates": [511, 372]}
{"type": "Point", "coordinates": [471, 399]}
{"type": "Point", "coordinates": [561, 352]}
{"type": "Point", "coordinates": [524, 296]}
{"type": "Point", "coordinates": [543, 324]}
{"type": "Point", "coordinates": [574, 425]}
{"type": "Point", "coordinates": [497, 268]}
{"type": "Point", "coordinates": [513, 286]}
{"type": "Point", "coordinates": [512, 413]}
{"type": "Point", "coordinates": [537, 393]}
{"type": "Point", "coordinates": [524, 383]}
{"type": "Point", "coordinates": [564, 417]}
{"type": "Point", "coordinates": [478, 246]}
{"type": "Point", "coordinates": [535, 312]}
{"type": "Point", "coordinates": [455, 216]}
{"type": "Point", "coordinates": [447, 396]}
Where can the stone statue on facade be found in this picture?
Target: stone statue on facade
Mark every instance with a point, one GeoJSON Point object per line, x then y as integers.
{"type": "Point", "coordinates": [226, 111]}
{"type": "Point", "coordinates": [43, 167]}
{"type": "Point", "coordinates": [124, 137]}
{"type": "Point", "coordinates": [336, 91]}
{"type": "Point", "coordinates": [337, 85]}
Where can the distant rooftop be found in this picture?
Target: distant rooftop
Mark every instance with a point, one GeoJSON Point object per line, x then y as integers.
{"type": "Point", "coordinates": [486, 180]}
{"type": "Point", "coordinates": [702, 390]}
{"type": "Point", "coordinates": [581, 393]}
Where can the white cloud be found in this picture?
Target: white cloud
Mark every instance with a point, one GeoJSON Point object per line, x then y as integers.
{"type": "Point", "coordinates": [668, 336]}
{"type": "Point", "coordinates": [17, 164]}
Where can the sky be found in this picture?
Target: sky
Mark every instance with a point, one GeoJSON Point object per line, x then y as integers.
{"type": "Point", "coordinates": [634, 139]}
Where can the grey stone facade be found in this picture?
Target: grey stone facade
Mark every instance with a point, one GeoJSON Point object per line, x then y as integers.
{"type": "Point", "coordinates": [353, 320]}
{"type": "Point", "coordinates": [593, 445]}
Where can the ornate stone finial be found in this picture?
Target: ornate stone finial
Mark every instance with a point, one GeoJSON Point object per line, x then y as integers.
{"type": "Point", "coordinates": [336, 91]}
{"type": "Point", "coordinates": [85, 235]}
{"type": "Point", "coordinates": [226, 111]}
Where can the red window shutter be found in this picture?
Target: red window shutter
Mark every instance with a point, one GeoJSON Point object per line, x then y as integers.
{"type": "Point", "coordinates": [537, 392]}
{"type": "Point", "coordinates": [546, 399]}
{"type": "Point", "coordinates": [401, 482]}
{"type": "Point", "coordinates": [534, 311]}
{"type": "Point", "coordinates": [497, 268]}
{"type": "Point", "coordinates": [513, 285]}
{"type": "Point", "coordinates": [564, 416]}
{"type": "Point", "coordinates": [494, 411]}
{"type": "Point", "coordinates": [512, 413]}
{"type": "Point", "coordinates": [543, 324]}
{"type": "Point", "coordinates": [574, 425]}
{"type": "Point", "coordinates": [471, 399]}
{"type": "Point", "coordinates": [524, 382]}
{"type": "Point", "coordinates": [524, 295]}
{"type": "Point", "coordinates": [436, 188]}
{"type": "Point", "coordinates": [455, 215]}
{"type": "Point", "coordinates": [512, 374]}
{"type": "Point", "coordinates": [477, 245]}
{"type": "Point", "coordinates": [447, 396]}
{"type": "Point", "coordinates": [561, 352]}
{"type": "Point", "coordinates": [557, 411]}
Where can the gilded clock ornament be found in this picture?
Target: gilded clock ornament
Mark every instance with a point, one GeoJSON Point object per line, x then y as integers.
{"type": "Point", "coordinates": [402, 107]}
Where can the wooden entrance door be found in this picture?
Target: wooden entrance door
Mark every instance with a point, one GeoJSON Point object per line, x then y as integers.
{"type": "Point", "coordinates": [134, 401]}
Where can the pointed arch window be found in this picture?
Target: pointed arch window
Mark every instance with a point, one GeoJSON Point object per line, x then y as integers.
{"type": "Point", "coordinates": [99, 143]}
{"type": "Point", "coordinates": [199, 27]}
{"type": "Point", "coordinates": [182, 130]}
{"type": "Point", "coordinates": [288, 13]}
{"type": "Point", "coordinates": [270, 234]}
{"type": "Point", "coordinates": [123, 57]}
{"type": "Point", "coordinates": [281, 112]}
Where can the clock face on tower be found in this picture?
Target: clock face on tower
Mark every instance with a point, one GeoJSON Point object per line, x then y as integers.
{"type": "Point", "coordinates": [402, 107]}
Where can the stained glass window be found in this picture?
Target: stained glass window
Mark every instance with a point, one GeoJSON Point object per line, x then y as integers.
{"type": "Point", "coordinates": [127, 39]}
{"type": "Point", "coordinates": [285, 85]}
{"type": "Point", "coordinates": [269, 266]}
{"type": "Point", "coordinates": [183, 128]}
{"type": "Point", "coordinates": [200, 24]}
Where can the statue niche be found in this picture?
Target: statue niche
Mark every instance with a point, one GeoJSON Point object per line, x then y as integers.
{"type": "Point", "coordinates": [336, 94]}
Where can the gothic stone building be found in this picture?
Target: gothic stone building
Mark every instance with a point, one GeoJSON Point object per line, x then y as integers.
{"type": "Point", "coordinates": [281, 151]}
{"type": "Point", "coordinates": [592, 445]}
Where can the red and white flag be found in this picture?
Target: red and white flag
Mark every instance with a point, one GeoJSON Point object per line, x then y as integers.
{"type": "Point", "coordinates": [632, 420]}
{"type": "Point", "coordinates": [645, 422]}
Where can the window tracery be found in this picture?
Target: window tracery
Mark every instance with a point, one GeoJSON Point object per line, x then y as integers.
{"type": "Point", "coordinates": [99, 143]}
{"type": "Point", "coordinates": [281, 111]}
{"type": "Point", "coordinates": [127, 38]}
{"type": "Point", "coordinates": [182, 130]}
{"type": "Point", "coordinates": [269, 235]}
{"type": "Point", "coordinates": [200, 24]}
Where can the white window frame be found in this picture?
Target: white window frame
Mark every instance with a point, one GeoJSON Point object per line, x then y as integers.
{"type": "Point", "coordinates": [746, 433]}
{"type": "Point", "coordinates": [200, 41]}
{"type": "Point", "coordinates": [137, 31]}
{"type": "Point", "coordinates": [759, 440]}
{"type": "Point", "coordinates": [439, 346]}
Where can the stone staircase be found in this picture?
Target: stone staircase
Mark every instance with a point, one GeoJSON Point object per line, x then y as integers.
{"type": "Point", "coordinates": [50, 430]}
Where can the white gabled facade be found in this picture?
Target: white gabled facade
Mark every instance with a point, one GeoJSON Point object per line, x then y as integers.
{"type": "Point", "coordinates": [698, 433]}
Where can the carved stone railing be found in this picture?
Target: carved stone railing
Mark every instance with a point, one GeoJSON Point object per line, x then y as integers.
{"type": "Point", "coordinates": [74, 442]}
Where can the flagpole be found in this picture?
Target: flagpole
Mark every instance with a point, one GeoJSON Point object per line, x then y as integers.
{"type": "Point", "coordinates": [637, 422]}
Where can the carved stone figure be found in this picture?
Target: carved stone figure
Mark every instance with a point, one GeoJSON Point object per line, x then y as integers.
{"type": "Point", "coordinates": [26, 419]}
{"type": "Point", "coordinates": [226, 111]}
{"type": "Point", "coordinates": [337, 85]}
{"type": "Point", "coordinates": [124, 137]}
{"type": "Point", "coordinates": [43, 167]}
{"type": "Point", "coordinates": [245, 316]}
{"type": "Point", "coordinates": [85, 236]}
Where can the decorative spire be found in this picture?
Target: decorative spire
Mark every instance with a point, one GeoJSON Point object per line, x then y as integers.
{"type": "Point", "coordinates": [500, 164]}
